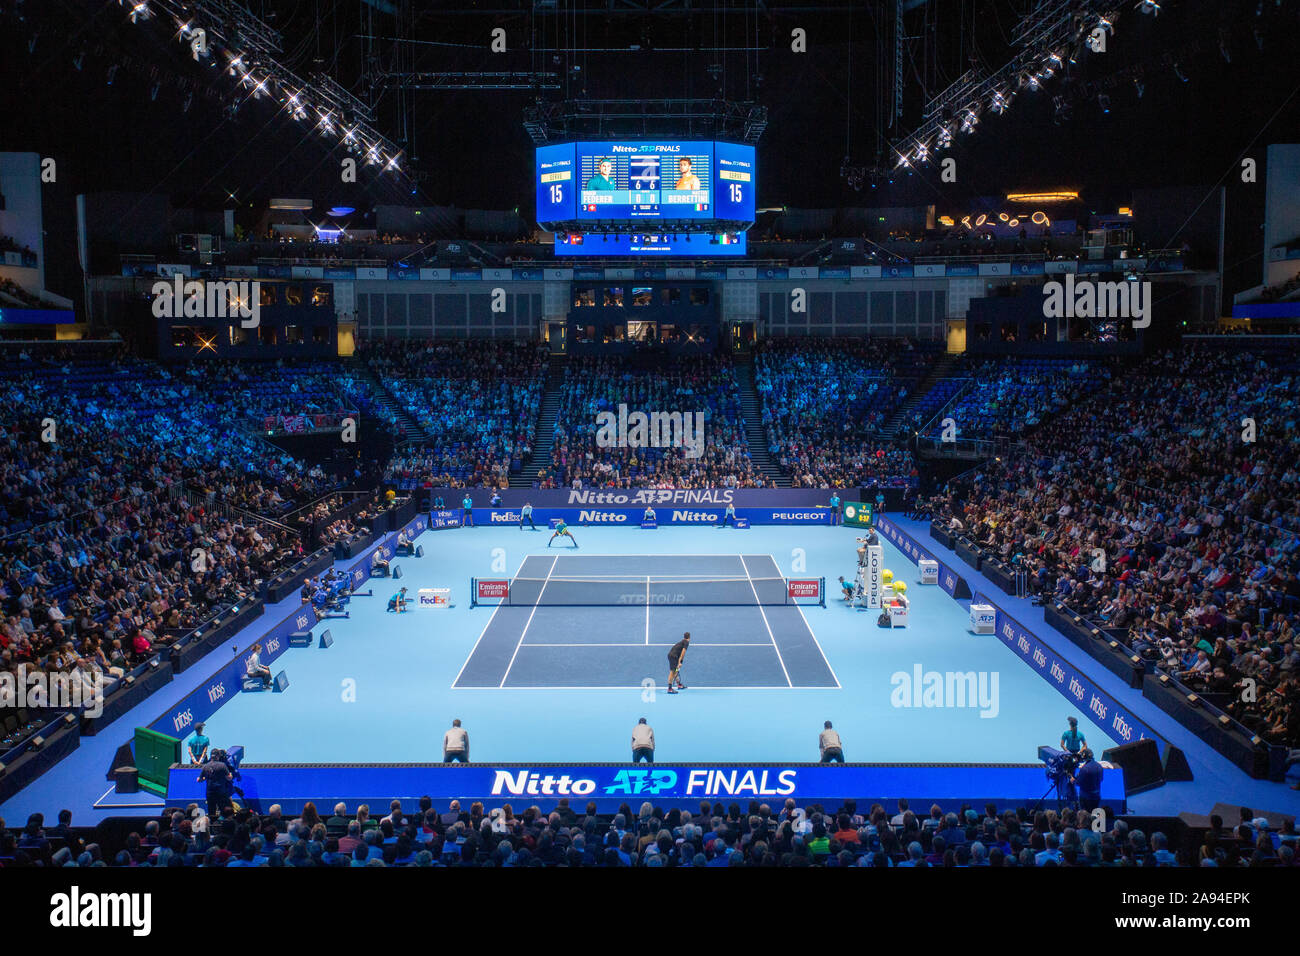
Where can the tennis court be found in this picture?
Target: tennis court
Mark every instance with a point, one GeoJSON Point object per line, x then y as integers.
{"type": "Point", "coordinates": [607, 621]}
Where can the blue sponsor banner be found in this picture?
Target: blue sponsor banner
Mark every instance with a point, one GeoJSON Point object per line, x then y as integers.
{"type": "Point", "coordinates": [632, 517]}
{"type": "Point", "coordinates": [609, 785]}
{"type": "Point", "coordinates": [587, 274]}
{"type": "Point", "coordinates": [836, 272]}
{"type": "Point", "coordinates": [773, 273]}
{"type": "Point", "coordinates": [35, 316]}
{"type": "Point", "coordinates": [949, 579]}
{"type": "Point", "coordinates": [461, 274]}
{"type": "Point", "coordinates": [1103, 710]}
{"type": "Point", "coordinates": [529, 275]}
{"type": "Point", "coordinates": [338, 272]}
{"type": "Point", "coordinates": [895, 272]}
{"type": "Point", "coordinates": [963, 269]}
{"type": "Point", "coordinates": [640, 497]}
{"type": "Point", "coordinates": [713, 273]}
{"type": "Point", "coordinates": [396, 273]}
{"type": "Point", "coordinates": [275, 272]}
{"type": "Point", "coordinates": [1028, 268]}
{"type": "Point", "coordinates": [228, 681]}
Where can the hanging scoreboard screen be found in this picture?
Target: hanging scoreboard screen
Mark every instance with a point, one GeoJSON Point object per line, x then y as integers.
{"type": "Point", "coordinates": [647, 180]}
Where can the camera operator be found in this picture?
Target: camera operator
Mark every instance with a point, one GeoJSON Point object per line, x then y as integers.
{"type": "Point", "coordinates": [1087, 777]}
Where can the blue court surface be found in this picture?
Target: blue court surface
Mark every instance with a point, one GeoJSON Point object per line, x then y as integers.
{"type": "Point", "coordinates": [544, 679]}
{"type": "Point", "coordinates": [551, 680]}
{"type": "Point", "coordinates": [607, 621]}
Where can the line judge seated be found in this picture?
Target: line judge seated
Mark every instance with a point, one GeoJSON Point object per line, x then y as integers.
{"type": "Point", "coordinates": [379, 564]}
{"type": "Point", "coordinates": [649, 514]}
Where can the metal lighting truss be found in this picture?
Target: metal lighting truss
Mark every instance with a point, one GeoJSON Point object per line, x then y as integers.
{"type": "Point", "coordinates": [228, 34]}
{"type": "Point", "coordinates": [1049, 36]}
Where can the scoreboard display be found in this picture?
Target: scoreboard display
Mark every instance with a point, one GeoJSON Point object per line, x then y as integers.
{"type": "Point", "coordinates": [645, 180]}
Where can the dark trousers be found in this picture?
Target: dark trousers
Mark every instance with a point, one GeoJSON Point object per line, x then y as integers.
{"type": "Point", "coordinates": [832, 755]}
{"type": "Point", "coordinates": [529, 519]}
{"type": "Point", "coordinates": [455, 756]}
{"type": "Point", "coordinates": [643, 753]}
{"type": "Point", "coordinates": [726, 518]}
{"type": "Point", "coordinates": [215, 799]}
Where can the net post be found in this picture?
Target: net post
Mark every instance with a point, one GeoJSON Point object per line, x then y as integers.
{"type": "Point", "coordinates": [822, 602]}
{"type": "Point", "coordinates": [473, 592]}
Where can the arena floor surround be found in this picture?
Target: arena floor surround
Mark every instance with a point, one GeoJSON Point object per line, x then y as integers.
{"type": "Point", "coordinates": [554, 680]}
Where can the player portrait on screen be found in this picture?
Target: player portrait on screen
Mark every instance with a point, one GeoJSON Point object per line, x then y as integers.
{"type": "Point", "coordinates": [602, 181]}
{"type": "Point", "coordinates": [685, 178]}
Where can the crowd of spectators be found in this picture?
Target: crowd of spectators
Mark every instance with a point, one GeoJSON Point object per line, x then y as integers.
{"type": "Point", "coordinates": [477, 400]}
{"type": "Point", "coordinates": [707, 835]}
{"type": "Point", "coordinates": [826, 402]}
{"type": "Point", "coordinates": [1164, 508]}
{"type": "Point", "coordinates": [121, 489]}
{"type": "Point", "coordinates": [1009, 396]}
{"type": "Point", "coordinates": [697, 384]}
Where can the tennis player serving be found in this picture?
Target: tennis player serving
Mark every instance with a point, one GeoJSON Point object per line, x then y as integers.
{"type": "Point", "coordinates": [676, 655]}
{"type": "Point", "coordinates": [562, 529]}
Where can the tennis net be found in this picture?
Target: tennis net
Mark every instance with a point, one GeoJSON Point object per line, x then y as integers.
{"type": "Point", "coordinates": [639, 591]}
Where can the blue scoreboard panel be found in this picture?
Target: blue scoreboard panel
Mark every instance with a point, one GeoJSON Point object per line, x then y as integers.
{"type": "Point", "coordinates": [645, 180]}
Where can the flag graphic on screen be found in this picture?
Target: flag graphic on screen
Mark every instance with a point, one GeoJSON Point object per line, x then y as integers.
{"type": "Point", "coordinates": [643, 172]}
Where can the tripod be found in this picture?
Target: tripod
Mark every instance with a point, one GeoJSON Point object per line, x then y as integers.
{"type": "Point", "coordinates": [1065, 795]}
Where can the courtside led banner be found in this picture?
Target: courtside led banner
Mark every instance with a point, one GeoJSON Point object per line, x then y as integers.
{"type": "Point", "coordinates": [611, 784]}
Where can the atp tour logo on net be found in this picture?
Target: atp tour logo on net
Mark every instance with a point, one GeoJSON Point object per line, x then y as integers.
{"type": "Point", "coordinates": [193, 299]}
{"type": "Point", "coordinates": [1086, 299]}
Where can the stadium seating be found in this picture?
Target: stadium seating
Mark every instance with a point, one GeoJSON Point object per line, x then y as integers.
{"type": "Point", "coordinates": [1146, 510]}
{"type": "Point", "coordinates": [698, 835]}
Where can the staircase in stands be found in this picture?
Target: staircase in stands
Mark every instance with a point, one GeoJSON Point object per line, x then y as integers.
{"type": "Point", "coordinates": [938, 371]}
{"type": "Point", "coordinates": [544, 432]}
{"type": "Point", "coordinates": [752, 409]}
{"type": "Point", "coordinates": [409, 429]}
